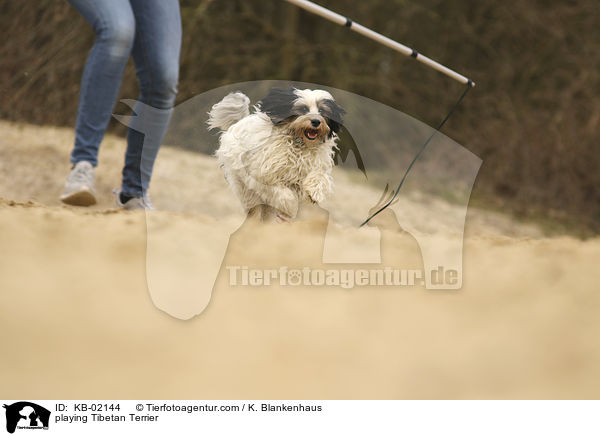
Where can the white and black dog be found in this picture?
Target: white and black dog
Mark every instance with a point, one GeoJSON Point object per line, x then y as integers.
{"type": "Point", "coordinates": [280, 154]}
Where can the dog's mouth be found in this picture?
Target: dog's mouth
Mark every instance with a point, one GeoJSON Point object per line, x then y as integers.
{"type": "Point", "coordinates": [311, 134]}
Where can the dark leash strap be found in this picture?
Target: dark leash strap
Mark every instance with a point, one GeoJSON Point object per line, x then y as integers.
{"type": "Point", "coordinates": [421, 150]}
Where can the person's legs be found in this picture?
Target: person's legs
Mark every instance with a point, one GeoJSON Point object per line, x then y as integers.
{"type": "Point", "coordinates": [156, 55]}
{"type": "Point", "coordinates": [114, 24]}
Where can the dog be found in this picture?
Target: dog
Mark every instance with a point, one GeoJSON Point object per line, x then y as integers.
{"type": "Point", "coordinates": [282, 153]}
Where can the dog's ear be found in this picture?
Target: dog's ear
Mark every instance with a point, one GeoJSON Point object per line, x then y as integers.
{"type": "Point", "coordinates": [334, 114]}
{"type": "Point", "coordinates": [278, 104]}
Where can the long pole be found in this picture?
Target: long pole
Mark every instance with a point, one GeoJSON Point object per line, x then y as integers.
{"type": "Point", "coordinates": [407, 51]}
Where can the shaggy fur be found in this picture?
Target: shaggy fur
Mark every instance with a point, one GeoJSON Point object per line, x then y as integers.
{"type": "Point", "coordinates": [282, 153]}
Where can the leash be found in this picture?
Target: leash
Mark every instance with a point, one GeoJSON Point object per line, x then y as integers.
{"type": "Point", "coordinates": [420, 152]}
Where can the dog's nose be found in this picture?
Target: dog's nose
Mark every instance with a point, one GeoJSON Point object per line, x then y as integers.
{"type": "Point", "coordinates": [315, 122]}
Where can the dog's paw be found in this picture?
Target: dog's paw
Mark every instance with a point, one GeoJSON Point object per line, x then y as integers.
{"type": "Point", "coordinates": [316, 197]}
{"type": "Point", "coordinates": [318, 187]}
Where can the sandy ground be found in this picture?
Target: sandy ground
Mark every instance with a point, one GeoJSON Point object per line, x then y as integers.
{"type": "Point", "coordinates": [77, 319]}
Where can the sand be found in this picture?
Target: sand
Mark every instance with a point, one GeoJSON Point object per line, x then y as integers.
{"type": "Point", "coordinates": [77, 319]}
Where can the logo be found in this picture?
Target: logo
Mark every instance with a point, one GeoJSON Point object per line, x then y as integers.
{"type": "Point", "coordinates": [26, 415]}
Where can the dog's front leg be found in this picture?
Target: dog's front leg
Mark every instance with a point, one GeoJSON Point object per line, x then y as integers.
{"type": "Point", "coordinates": [285, 200]}
{"type": "Point", "coordinates": [318, 186]}
{"type": "Point", "coordinates": [279, 197]}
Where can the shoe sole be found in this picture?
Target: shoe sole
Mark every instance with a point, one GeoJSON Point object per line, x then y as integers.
{"type": "Point", "coordinates": [84, 197]}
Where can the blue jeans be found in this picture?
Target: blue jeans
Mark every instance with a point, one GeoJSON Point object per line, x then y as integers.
{"type": "Point", "coordinates": [150, 31]}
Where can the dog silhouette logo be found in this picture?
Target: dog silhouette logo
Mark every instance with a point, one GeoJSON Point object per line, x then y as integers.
{"type": "Point", "coordinates": [26, 415]}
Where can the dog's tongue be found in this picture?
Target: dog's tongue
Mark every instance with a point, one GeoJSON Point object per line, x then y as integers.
{"type": "Point", "coordinates": [311, 133]}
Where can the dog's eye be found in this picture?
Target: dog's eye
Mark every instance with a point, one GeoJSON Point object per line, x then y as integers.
{"type": "Point", "coordinates": [325, 113]}
{"type": "Point", "coordinates": [302, 109]}
{"type": "Point", "coordinates": [325, 110]}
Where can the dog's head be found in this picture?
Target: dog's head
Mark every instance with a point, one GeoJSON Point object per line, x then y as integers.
{"type": "Point", "coordinates": [311, 116]}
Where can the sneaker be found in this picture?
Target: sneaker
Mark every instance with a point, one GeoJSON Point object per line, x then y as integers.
{"type": "Point", "coordinates": [79, 187]}
{"type": "Point", "coordinates": [142, 203]}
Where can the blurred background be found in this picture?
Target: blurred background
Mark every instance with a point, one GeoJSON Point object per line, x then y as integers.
{"type": "Point", "coordinates": [533, 117]}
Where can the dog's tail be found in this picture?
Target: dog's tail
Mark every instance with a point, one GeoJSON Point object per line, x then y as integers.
{"type": "Point", "coordinates": [229, 111]}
